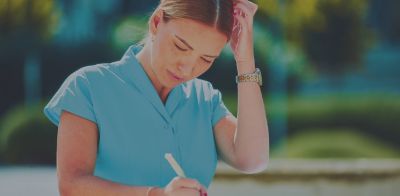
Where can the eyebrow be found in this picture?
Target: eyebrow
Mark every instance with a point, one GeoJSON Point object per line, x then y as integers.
{"type": "Point", "coordinates": [182, 40]}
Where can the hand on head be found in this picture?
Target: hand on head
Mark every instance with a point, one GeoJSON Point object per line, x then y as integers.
{"type": "Point", "coordinates": [242, 32]}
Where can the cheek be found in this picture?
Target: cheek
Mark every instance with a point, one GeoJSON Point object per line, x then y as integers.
{"type": "Point", "coordinates": [160, 55]}
{"type": "Point", "coordinates": [170, 57]}
{"type": "Point", "coordinates": [200, 69]}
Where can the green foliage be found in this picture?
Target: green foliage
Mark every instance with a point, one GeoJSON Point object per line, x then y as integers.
{"type": "Point", "coordinates": [27, 137]}
{"type": "Point", "coordinates": [336, 143]}
{"type": "Point", "coordinates": [384, 19]}
{"type": "Point", "coordinates": [30, 18]}
{"type": "Point", "coordinates": [374, 115]}
{"type": "Point", "coordinates": [339, 41]}
{"type": "Point", "coordinates": [331, 33]}
{"type": "Point", "coordinates": [129, 30]}
{"type": "Point", "coordinates": [230, 101]}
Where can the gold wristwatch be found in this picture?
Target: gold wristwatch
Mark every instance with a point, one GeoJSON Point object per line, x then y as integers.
{"type": "Point", "coordinates": [250, 77]}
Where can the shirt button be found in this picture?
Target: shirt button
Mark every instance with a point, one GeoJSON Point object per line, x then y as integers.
{"type": "Point", "coordinates": [166, 126]}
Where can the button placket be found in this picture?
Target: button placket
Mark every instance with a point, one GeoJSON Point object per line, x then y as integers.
{"type": "Point", "coordinates": [166, 126]}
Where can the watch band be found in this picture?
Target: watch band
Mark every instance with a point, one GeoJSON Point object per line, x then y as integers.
{"type": "Point", "coordinates": [250, 77]}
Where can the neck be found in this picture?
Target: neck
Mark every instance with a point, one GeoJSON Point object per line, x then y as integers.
{"type": "Point", "coordinates": [144, 58]}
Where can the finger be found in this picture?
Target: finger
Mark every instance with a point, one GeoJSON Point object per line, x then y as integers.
{"type": "Point", "coordinates": [188, 191]}
{"type": "Point", "coordinates": [189, 183]}
{"type": "Point", "coordinates": [244, 12]}
{"type": "Point", "coordinates": [241, 8]}
{"type": "Point", "coordinates": [192, 185]}
{"type": "Point", "coordinates": [236, 24]}
{"type": "Point", "coordinates": [253, 7]}
{"type": "Point", "coordinates": [242, 25]}
{"type": "Point", "coordinates": [203, 191]}
{"type": "Point", "coordinates": [248, 3]}
{"type": "Point", "coordinates": [242, 22]}
{"type": "Point", "coordinates": [250, 6]}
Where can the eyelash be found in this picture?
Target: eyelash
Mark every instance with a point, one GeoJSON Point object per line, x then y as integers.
{"type": "Point", "coordinates": [206, 61]}
{"type": "Point", "coordinates": [181, 49]}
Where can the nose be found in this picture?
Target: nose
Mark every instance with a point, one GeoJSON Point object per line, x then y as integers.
{"type": "Point", "coordinates": [186, 66]}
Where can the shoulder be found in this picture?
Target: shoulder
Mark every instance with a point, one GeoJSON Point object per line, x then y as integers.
{"type": "Point", "coordinates": [203, 89]}
{"type": "Point", "coordinates": [92, 73]}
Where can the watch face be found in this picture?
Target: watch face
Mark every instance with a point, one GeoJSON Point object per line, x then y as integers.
{"type": "Point", "coordinates": [253, 77]}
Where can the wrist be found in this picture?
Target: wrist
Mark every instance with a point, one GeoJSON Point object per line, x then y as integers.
{"type": "Point", "coordinates": [245, 68]}
{"type": "Point", "coordinates": [254, 76]}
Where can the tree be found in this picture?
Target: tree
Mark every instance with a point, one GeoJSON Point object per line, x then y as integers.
{"type": "Point", "coordinates": [24, 26]}
{"type": "Point", "coordinates": [331, 33]}
{"type": "Point", "coordinates": [28, 21]}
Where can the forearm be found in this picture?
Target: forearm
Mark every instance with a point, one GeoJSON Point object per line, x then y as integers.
{"type": "Point", "coordinates": [92, 185]}
{"type": "Point", "coordinates": [251, 141]}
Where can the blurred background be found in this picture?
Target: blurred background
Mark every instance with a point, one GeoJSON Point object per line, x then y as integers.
{"type": "Point", "coordinates": [331, 72]}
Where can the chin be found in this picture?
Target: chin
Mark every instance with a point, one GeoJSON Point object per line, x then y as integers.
{"type": "Point", "coordinates": [170, 81]}
{"type": "Point", "coordinates": [174, 84]}
{"type": "Point", "coordinates": [167, 83]}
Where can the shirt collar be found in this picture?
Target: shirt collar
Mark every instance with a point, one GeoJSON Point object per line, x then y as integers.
{"type": "Point", "coordinates": [135, 74]}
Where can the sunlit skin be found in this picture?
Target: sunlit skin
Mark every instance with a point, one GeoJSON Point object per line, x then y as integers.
{"type": "Point", "coordinates": [182, 49]}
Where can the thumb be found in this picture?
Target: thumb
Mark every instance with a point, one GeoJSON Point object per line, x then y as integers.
{"type": "Point", "coordinates": [203, 191]}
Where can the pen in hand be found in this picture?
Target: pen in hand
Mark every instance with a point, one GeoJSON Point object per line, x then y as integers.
{"type": "Point", "coordinates": [178, 170]}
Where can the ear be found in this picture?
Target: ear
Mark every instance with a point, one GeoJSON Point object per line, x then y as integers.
{"type": "Point", "coordinates": [155, 20]}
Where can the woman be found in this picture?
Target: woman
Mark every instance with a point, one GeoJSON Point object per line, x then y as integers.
{"type": "Point", "coordinates": [117, 120]}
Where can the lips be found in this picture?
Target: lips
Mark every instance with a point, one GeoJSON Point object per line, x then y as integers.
{"type": "Point", "coordinates": [177, 78]}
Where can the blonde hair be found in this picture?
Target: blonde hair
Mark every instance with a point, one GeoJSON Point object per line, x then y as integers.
{"type": "Point", "coordinates": [215, 13]}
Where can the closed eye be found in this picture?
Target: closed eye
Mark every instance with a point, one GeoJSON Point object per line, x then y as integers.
{"type": "Point", "coordinates": [182, 49]}
{"type": "Point", "coordinates": [179, 48]}
{"type": "Point", "coordinates": [206, 60]}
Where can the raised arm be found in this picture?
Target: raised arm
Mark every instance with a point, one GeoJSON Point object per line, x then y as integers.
{"type": "Point", "coordinates": [243, 143]}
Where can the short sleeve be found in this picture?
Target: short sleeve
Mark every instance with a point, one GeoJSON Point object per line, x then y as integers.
{"type": "Point", "coordinates": [73, 96]}
{"type": "Point", "coordinates": [219, 109]}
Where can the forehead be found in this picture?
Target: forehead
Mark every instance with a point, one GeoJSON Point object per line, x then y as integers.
{"type": "Point", "coordinates": [197, 34]}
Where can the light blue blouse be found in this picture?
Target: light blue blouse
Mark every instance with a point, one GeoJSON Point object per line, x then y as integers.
{"type": "Point", "coordinates": [136, 129]}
